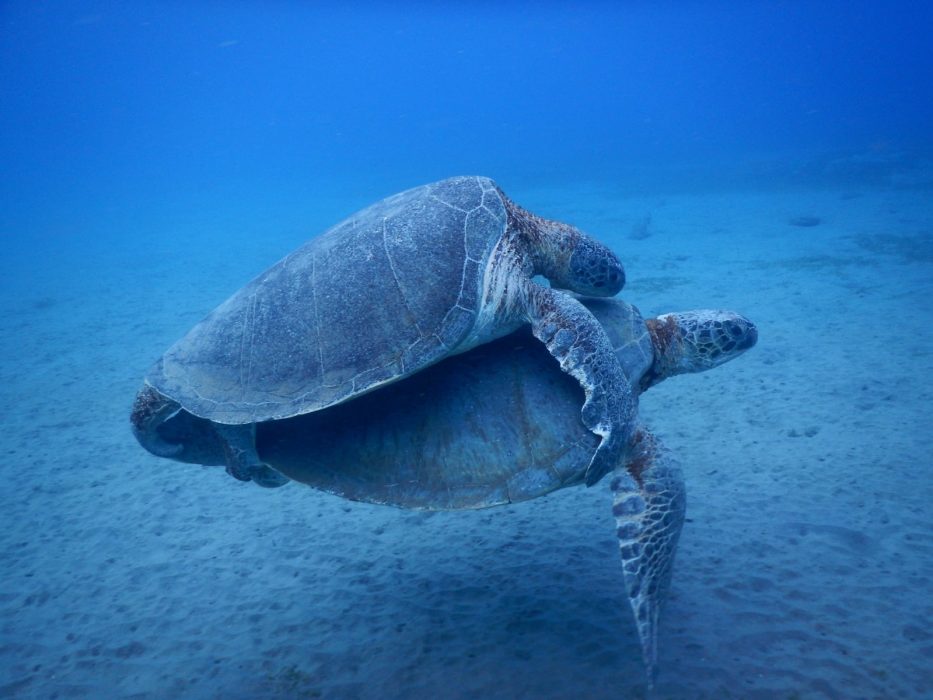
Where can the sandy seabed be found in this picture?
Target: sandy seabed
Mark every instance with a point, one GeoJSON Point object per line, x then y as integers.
{"type": "Point", "coordinates": [805, 569]}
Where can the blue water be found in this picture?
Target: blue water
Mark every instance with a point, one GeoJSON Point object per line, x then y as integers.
{"type": "Point", "coordinates": [154, 156]}
{"type": "Point", "coordinates": [167, 105]}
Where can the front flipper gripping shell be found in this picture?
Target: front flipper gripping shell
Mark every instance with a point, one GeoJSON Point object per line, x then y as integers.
{"type": "Point", "coordinates": [577, 340]}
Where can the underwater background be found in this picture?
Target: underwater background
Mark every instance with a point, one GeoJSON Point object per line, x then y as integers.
{"type": "Point", "coordinates": [775, 158]}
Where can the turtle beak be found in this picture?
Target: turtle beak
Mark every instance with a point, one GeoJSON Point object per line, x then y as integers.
{"type": "Point", "coordinates": [595, 270]}
{"type": "Point", "coordinates": [743, 332]}
{"type": "Point", "coordinates": [615, 277]}
{"type": "Point", "coordinates": [751, 337]}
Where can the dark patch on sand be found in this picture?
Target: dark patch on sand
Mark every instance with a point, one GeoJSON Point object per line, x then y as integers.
{"type": "Point", "coordinates": [916, 247]}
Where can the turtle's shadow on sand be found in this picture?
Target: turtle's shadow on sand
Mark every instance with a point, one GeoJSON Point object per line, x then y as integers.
{"type": "Point", "coordinates": [523, 596]}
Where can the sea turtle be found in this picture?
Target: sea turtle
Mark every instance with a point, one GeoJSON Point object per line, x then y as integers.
{"type": "Point", "coordinates": [501, 424]}
{"type": "Point", "coordinates": [398, 286]}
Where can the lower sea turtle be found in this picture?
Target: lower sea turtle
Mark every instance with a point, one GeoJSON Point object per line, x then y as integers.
{"type": "Point", "coordinates": [398, 286]}
{"type": "Point", "coordinates": [500, 424]}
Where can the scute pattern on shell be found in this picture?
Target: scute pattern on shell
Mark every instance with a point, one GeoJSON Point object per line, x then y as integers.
{"type": "Point", "coordinates": [380, 295]}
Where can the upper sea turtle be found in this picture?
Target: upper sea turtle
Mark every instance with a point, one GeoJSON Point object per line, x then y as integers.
{"type": "Point", "coordinates": [398, 286]}
{"type": "Point", "coordinates": [501, 424]}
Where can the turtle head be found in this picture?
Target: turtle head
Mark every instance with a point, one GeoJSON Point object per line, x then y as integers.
{"type": "Point", "coordinates": [572, 260]}
{"type": "Point", "coordinates": [569, 258]}
{"type": "Point", "coordinates": [593, 269]}
{"type": "Point", "coordinates": [694, 341]}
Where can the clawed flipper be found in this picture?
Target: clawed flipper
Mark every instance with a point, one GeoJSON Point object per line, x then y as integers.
{"type": "Point", "coordinates": [577, 340]}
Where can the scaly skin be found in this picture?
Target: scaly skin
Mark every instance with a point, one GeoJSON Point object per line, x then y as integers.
{"type": "Point", "coordinates": [570, 260]}
{"type": "Point", "coordinates": [694, 341]}
{"type": "Point", "coordinates": [649, 504]}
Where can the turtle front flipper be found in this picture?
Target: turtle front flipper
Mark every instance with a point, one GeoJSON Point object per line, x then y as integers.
{"type": "Point", "coordinates": [576, 339]}
{"type": "Point", "coordinates": [649, 502]}
{"type": "Point", "coordinates": [243, 463]}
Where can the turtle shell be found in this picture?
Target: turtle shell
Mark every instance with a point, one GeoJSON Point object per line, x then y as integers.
{"type": "Point", "coordinates": [498, 424]}
{"type": "Point", "coordinates": [383, 294]}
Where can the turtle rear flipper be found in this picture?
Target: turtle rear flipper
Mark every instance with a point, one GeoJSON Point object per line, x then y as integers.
{"type": "Point", "coordinates": [649, 502]}
{"type": "Point", "coordinates": [243, 463]}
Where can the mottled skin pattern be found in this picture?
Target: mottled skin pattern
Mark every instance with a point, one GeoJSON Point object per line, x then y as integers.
{"type": "Point", "coordinates": [571, 260]}
{"type": "Point", "coordinates": [649, 504]}
{"type": "Point", "coordinates": [393, 289]}
{"type": "Point", "coordinates": [692, 341]}
{"type": "Point", "coordinates": [501, 424]}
